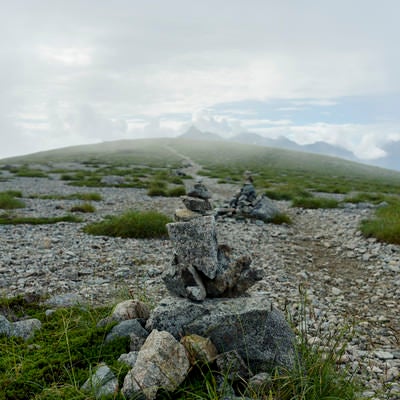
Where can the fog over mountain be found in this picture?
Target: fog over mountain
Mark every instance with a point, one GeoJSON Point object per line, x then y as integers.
{"type": "Point", "coordinates": [390, 161]}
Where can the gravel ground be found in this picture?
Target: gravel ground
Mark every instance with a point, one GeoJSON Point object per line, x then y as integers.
{"type": "Point", "coordinates": [348, 279]}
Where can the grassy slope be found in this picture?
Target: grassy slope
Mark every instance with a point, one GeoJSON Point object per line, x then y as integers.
{"type": "Point", "coordinates": [271, 166]}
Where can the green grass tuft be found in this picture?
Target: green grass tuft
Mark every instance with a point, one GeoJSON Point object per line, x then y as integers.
{"type": "Point", "coordinates": [287, 192]}
{"type": "Point", "coordinates": [177, 191]}
{"type": "Point", "coordinates": [133, 224]}
{"type": "Point", "coordinates": [281, 218]}
{"type": "Point", "coordinates": [385, 226]}
{"type": "Point", "coordinates": [9, 219]}
{"type": "Point", "coordinates": [314, 202]}
{"type": "Point", "coordinates": [83, 208]}
{"type": "Point", "coordinates": [9, 202]}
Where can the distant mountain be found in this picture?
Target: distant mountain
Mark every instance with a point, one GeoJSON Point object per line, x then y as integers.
{"type": "Point", "coordinates": [284, 143]}
{"type": "Point", "coordinates": [329, 150]}
{"type": "Point", "coordinates": [196, 134]}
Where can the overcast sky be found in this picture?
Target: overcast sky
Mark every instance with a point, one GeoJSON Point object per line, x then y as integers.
{"type": "Point", "coordinates": [75, 72]}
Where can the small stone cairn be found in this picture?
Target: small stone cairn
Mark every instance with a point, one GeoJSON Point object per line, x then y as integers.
{"type": "Point", "coordinates": [247, 204]}
{"type": "Point", "coordinates": [197, 203]}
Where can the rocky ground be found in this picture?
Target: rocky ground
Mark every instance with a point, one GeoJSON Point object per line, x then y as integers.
{"type": "Point", "coordinates": [347, 279]}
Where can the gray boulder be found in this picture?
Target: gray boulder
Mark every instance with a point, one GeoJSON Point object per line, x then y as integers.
{"type": "Point", "coordinates": [129, 358]}
{"type": "Point", "coordinates": [26, 329]}
{"type": "Point", "coordinates": [102, 383]}
{"type": "Point", "coordinates": [195, 244]}
{"type": "Point", "coordinates": [197, 205]}
{"type": "Point", "coordinates": [250, 325]}
{"type": "Point", "coordinates": [161, 363]}
{"type": "Point", "coordinates": [264, 209]}
{"type": "Point", "coordinates": [5, 326]}
{"type": "Point", "coordinates": [200, 191]}
{"type": "Point", "coordinates": [127, 329]}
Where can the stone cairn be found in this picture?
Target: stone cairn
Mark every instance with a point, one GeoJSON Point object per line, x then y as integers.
{"type": "Point", "coordinates": [247, 204]}
{"type": "Point", "coordinates": [197, 203]}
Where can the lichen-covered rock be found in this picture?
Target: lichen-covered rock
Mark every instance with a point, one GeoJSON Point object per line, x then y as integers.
{"type": "Point", "coordinates": [130, 309]}
{"type": "Point", "coordinates": [200, 191]}
{"type": "Point", "coordinates": [196, 244]}
{"type": "Point", "coordinates": [199, 349]}
{"type": "Point", "coordinates": [232, 366]}
{"type": "Point", "coordinates": [127, 329]}
{"type": "Point", "coordinates": [184, 281]}
{"type": "Point", "coordinates": [127, 310]}
{"type": "Point", "coordinates": [197, 205]}
{"type": "Point", "coordinates": [249, 325]}
{"type": "Point", "coordinates": [26, 329]}
{"type": "Point", "coordinates": [102, 383]}
{"type": "Point", "coordinates": [5, 326]}
{"type": "Point", "coordinates": [184, 215]}
{"type": "Point", "coordinates": [129, 358]}
{"type": "Point", "coordinates": [162, 362]}
{"type": "Point", "coordinates": [264, 209]}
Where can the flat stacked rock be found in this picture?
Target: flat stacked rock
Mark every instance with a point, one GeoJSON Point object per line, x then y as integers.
{"type": "Point", "coordinates": [197, 203]}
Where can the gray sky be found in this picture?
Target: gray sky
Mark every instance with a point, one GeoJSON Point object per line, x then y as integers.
{"type": "Point", "coordinates": [74, 72]}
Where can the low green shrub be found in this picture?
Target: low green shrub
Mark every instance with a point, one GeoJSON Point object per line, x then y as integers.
{"type": "Point", "coordinates": [134, 224]}
{"type": "Point", "coordinates": [31, 173]}
{"type": "Point", "coordinates": [374, 198]}
{"type": "Point", "coordinates": [281, 218]}
{"type": "Point", "coordinates": [83, 208]}
{"type": "Point", "coordinates": [385, 226]}
{"type": "Point", "coordinates": [314, 202]}
{"type": "Point", "coordinates": [153, 192]}
{"type": "Point", "coordinates": [287, 193]}
{"type": "Point", "coordinates": [9, 202]}
{"type": "Point", "coordinates": [177, 191]}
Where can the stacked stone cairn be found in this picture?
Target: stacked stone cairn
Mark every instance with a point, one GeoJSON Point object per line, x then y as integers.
{"type": "Point", "coordinates": [207, 319]}
{"type": "Point", "coordinates": [247, 204]}
{"type": "Point", "coordinates": [197, 203]}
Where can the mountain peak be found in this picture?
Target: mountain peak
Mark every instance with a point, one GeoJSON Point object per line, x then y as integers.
{"type": "Point", "coordinates": [196, 134]}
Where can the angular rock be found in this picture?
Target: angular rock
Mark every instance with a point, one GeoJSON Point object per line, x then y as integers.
{"type": "Point", "coordinates": [249, 325]}
{"type": "Point", "coordinates": [126, 329]}
{"type": "Point", "coordinates": [200, 191]}
{"type": "Point", "coordinates": [264, 209]}
{"type": "Point", "coordinates": [5, 326]}
{"type": "Point", "coordinates": [173, 315]}
{"type": "Point", "coordinates": [232, 366]}
{"type": "Point", "coordinates": [199, 349]}
{"type": "Point", "coordinates": [102, 383]}
{"type": "Point", "coordinates": [161, 363]}
{"type": "Point", "coordinates": [196, 244]}
{"type": "Point", "coordinates": [126, 310]}
{"type": "Point", "coordinates": [130, 309]}
{"type": "Point", "coordinates": [26, 328]}
{"type": "Point", "coordinates": [197, 205]}
{"type": "Point", "coordinates": [184, 215]}
{"type": "Point", "coordinates": [129, 358]}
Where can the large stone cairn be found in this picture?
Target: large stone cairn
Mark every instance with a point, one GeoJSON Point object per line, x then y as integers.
{"type": "Point", "coordinates": [200, 267]}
